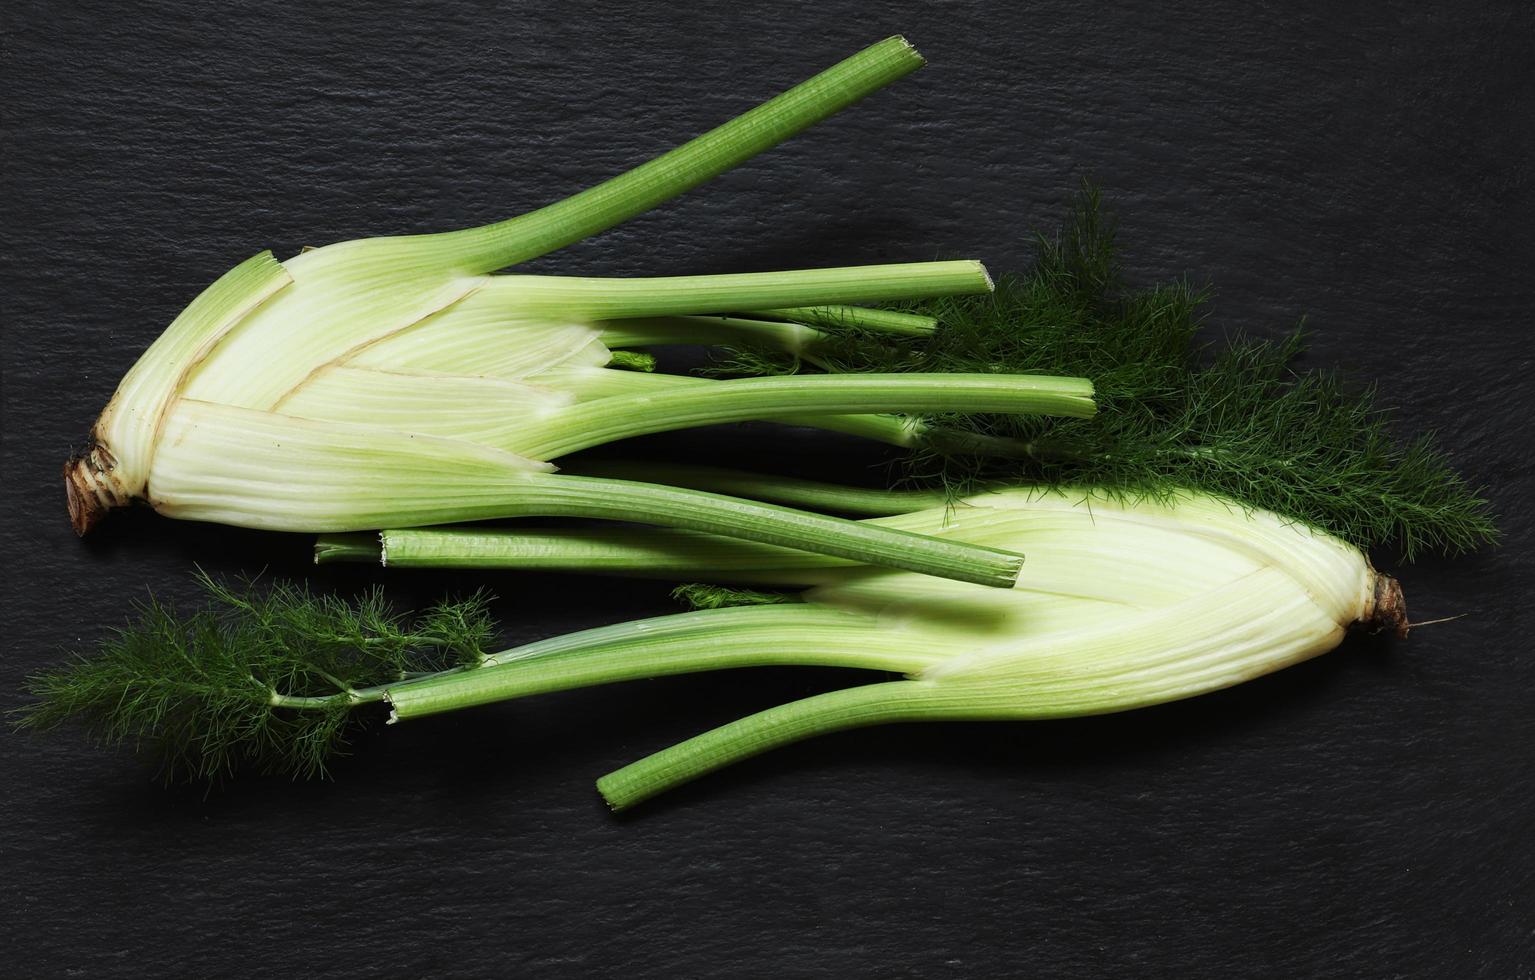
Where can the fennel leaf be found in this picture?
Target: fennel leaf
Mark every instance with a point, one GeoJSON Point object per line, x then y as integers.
{"type": "Point", "coordinates": [258, 676]}
{"type": "Point", "coordinates": [1234, 418]}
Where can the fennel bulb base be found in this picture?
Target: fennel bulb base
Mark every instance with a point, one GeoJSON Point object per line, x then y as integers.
{"type": "Point", "coordinates": [93, 487]}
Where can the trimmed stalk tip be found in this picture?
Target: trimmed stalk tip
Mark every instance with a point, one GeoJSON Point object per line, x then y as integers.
{"type": "Point", "coordinates": [91, 488]}
{"type": "Point", "coordinates": [1388, 608]}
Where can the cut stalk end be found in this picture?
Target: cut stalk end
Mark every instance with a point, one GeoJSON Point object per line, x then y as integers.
{"type": "Point", "coordinates": [991, 285]}
{"type": "Point", "coordinates": [911, 51]}
{"type": "Point", "coordinates": [1388, 608]}
{"type": "Point", "coordinates": [92, 488]}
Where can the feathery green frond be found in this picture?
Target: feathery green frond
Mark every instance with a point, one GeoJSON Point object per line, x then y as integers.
{"type": "Point", "coordinates": [263, 676]}
{"type": "Point", "coordinates": [1234, 419]}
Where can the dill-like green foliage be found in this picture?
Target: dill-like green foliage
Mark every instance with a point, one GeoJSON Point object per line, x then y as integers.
{"type": "Point", "coordinates": [199, 687]}
{"type": "Point", "coordinates": [1234, 419]}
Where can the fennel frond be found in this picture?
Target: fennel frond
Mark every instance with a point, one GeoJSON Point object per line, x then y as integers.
{"type": "Point", "coordinates": [1233, 418]}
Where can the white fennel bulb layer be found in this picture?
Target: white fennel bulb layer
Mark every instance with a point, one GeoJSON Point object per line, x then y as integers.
{"type": "Point", "coordinates": [1120, 602]}
{"type": "Point", "coordinates": [249, 468]}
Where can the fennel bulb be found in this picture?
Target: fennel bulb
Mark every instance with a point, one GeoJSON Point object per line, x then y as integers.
{"type": "Point", "coordinates": [394, 381]}
{"type": "Point", "coordinates": [1126, 604]}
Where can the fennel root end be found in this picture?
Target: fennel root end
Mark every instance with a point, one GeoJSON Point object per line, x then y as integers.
{"type": "Point", "coordinates": [92, 487]}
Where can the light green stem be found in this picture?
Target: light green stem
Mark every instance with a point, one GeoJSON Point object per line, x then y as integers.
{"type": "Point", "coordinates": [708, 331]}
{"type": "Point", "coordinates": [893, 430]}
{"type": "Point", "coordinates": [884, 321]}
{"type": "Point", "coordinates": [594, 423]}
{"type": "Point", "coordinates": [604, 299]}
{"type": "Point", "coordinates": [557, 495]}
{"type": "Point", "coordinates": [717, 639]}
{"type": "Point", "coordinates": [641, 552]}
{"type": "Point", "coordinates": [589, 383]}
{"type": "Point", "coordinates": [810, 494]}
{"type": "Point", "coordinates": [650, 552]}
{"type": "Point", "coordinates": [479, 250]}
{"type": "Point", "coordinates": [856, 707]}
{"type": "Point", "coordinates": [792, 330]}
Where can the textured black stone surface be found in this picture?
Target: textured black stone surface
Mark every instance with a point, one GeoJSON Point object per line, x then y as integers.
{"type": "Point", "coordinates": [1367, 814]}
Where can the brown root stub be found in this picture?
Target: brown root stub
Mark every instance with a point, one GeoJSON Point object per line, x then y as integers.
{"type": "Point", "coordinates": [1389, 607]}
{"type": "Point", "coordinates": [92, 488]}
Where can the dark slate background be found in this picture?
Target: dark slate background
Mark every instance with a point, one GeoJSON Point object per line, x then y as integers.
{"type": "Point", "coordinates": [1367, 814]}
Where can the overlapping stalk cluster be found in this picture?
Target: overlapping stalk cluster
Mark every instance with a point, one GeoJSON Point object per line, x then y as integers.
{"type": "Point", "coordinates": [395, 381]}
{"type": "Point", "coordinates": [1181, 533]}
